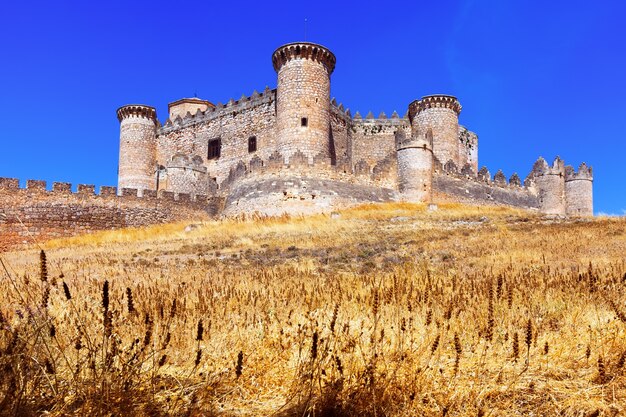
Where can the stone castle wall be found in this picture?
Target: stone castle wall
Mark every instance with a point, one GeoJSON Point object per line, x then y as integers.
{"type": "Point", "coordinates": [37, 213]}
{"type": "Point", "coordinates": [233, 123]}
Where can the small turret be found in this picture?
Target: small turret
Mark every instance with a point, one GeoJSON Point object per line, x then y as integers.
{"type": "Point", "coordinates": [137, 162]}
{"type": "Point", "coordinates": [188, 105]}
{"type": "Point", "coordinates": [550, 184]}
{"type": "Point", "coordinates": [303, 100]}
{"type": "Point", "coordinates": [440, 114]}
{"type": "Point", "coordinates": [415, 164]}
{"type": "Point", "coordinates": [579, 191]}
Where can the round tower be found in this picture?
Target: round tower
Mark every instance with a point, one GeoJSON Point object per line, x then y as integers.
{"type": "Point", "coordinates": [415, 164]}
{"type": "Point", "coordinates": [303, 99]}
{"type": "Point", "coordinates": [579, 191]}
{"type": "Point", "coordinates": [550, 184]}
{"type": "Point", "coordinates": [441, 114]}
{"type": "Point", "coordinates": [137, 163]}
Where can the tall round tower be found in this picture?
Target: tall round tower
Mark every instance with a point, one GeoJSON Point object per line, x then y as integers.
{"type": "Point", "coordinates": [415, 164]}
{"type": "Point", "coordinates": [137, 164]}
{"type": "Point", "coordinates": [441, 114]}
{"type": "Point", "coordinates": [550, 184]}
{"type": "Point", "coordinates": [579, 191]}
{"type": "Point", "coordinates": [303, 99]}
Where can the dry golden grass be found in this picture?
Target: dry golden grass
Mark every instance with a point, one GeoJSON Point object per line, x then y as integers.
{"type": "Point", "coordinates": [388, 310]}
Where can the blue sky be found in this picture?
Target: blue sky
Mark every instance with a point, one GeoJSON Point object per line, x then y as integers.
{"type": "Point", "coordinates": [534, 78]}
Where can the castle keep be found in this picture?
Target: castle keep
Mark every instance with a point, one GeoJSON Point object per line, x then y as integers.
{"type": "Point", "coordinates": [294, 150]}
{"type": "Point", "coordinates": [288, 150]}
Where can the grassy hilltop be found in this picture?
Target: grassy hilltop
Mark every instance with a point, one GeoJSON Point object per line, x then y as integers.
{"type": "Point", "coordinates": [385, 310]}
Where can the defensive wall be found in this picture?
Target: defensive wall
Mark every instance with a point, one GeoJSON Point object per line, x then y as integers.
{"type": "Point", "coordinates": [35, 212]}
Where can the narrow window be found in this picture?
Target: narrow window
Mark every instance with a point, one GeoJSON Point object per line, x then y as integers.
{"type": "Point", "coordinates": [252, 144]}
{"type": "Point", "coordinates": [215, 148]}
{"type": "Point", "coordinates": [304, 122]}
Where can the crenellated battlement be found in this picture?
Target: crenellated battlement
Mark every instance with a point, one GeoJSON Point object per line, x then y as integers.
{"type": "Point", "coordinates": [584, 173]}
{"type": "Point", "coordinates": [433, 102]}
{"type": "Point", "coordinates": [303, 50]}
{"type": "Point", "coordinates": [64, 189]}
{"type": "Point", "coordinates": [137, 110]}
{"type": "Point", "coordinates": [219, 110]}
{"type": "Point", "coordinates": [484, 176]}
{"type": "Point", "coordinates": [541, 167]}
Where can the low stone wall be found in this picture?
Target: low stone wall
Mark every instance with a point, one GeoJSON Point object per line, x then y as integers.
{"type": "Point", "coordinates": [39, 214]}
{"type": "Point", "coordinates": [452, 188]}
{"type": "Point", "coordinates": [288, 193]}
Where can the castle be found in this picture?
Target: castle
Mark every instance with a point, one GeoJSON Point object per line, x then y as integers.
{"type": "Point", "coordinates": [290, 150]}
{"type": "Point", "coordinates": [294, 150]}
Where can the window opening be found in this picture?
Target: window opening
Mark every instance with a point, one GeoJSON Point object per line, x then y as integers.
{"type": "Point", "coordinates": [215, 148]}
{"type": "Point", "coordinates": [252, 144]}
{"type": "Point", "coordinates": [304, 122]}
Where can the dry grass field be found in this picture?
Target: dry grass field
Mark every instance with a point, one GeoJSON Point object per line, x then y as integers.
{"type": "Point", "coordinates": [387, 310]}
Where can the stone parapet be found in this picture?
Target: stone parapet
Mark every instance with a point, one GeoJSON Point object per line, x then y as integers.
{"type": "Point", "coordinates": [434, 101]}
{"type": "Point", "coordinates": [136, 110]}
{"type": "Point", "coordinates": [303, 50]}
{"type": "Point", "coordinates": [220, 110]}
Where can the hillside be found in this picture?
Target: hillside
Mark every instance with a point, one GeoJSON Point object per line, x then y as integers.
{"type": "Point", "coordinates": [382, 310]}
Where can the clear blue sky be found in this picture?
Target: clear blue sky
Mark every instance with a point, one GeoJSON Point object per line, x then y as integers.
{"type": "Point", "coordinates": [534, 77]}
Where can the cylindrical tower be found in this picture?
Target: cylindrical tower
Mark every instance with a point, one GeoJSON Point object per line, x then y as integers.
{"type": "Point", "coordinates": [550, 184]}
{"type": "Point", "coordinates": [579, 191]}
{"type": "Point", "coordinates": [137, 164]}
{"type": "Point", "coordinates": [303, 99]}
{"type": "Point", "coordinates": [441, 114]}
{"type": "Point", "coordinates": [415, 164]}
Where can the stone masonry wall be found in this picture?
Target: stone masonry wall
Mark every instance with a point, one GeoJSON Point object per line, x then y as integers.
{"type": "Point", "coordinates": [37, 213]}
{"type": "Point", "coordinates": [303, 92]}
{"type": "Point", "coordinates": [233, 123]}
{"type": "Point", "coordinates": [287, 192]}
{"type": "Point", "coordinates": [454, 188]}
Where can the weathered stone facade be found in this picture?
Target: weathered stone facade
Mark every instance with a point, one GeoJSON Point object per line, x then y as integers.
{"type": "Point", "coordinates": [423, 156]}
{"type": "Point", "coordinates": [37, 213]}
{"type": "Point", "coordinates": [289, 150]}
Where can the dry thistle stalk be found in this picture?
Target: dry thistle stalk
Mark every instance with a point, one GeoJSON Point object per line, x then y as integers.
{"type": "Point", "coordinates": [198, 357]}
{"type": "Point", "coordinates": [333, 321]}
{"type": "Point", "coordinates": [46, 297]}
{"type": "Point", "coordinates": [499, 286]}
{"type": "Point", "coordinates": [66, 291]}
{"type": "Point", "coordinates": [129, 300]}
{"type": "Point", "coordinates": [43, 266]}
{"type": "Point", "coordinates": [588, 352]}
{"type": "Point", "coordinates": [314, 346]}
{"type": "Point", "coordinates": [435, 345]}
{"type": "Point", "coordinates": [239, 367]}
{"type": "Point", "coordinates": [375, 303]}
{"type": "Point", "coordinates": [529, 333]}
{"type": "Point", "coordinates": [339, 365]}
{"type": "Point", "coordinates": [601, 370]}
{"type": "Point", "coordinates": [105, 296]}
{"type": "Point", "coordinates": [515, 346]}
{"type": "Point", "coordinates": [429, 317]}
{"type": "Point", "coordinates": [199, 331]}
{"type": "Point", "coordinates": [162, 360]}
{"type": "Point", "coordinates": [546, 348]}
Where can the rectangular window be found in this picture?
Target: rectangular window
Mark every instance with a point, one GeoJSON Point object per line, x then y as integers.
{"type": "Point", "coordinates": [304, 122]}
{"type": "Point", "coordinates": [215, 148]}
{"type": "Point", "coordinates": [252, 144]}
